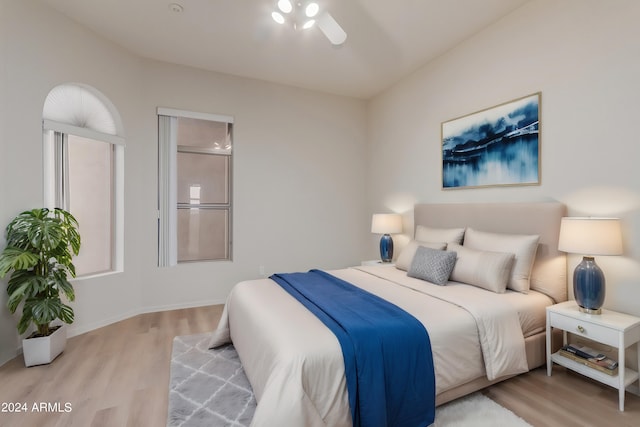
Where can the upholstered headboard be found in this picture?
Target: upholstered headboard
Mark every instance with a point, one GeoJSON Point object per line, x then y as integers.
{"type": "Point", "coordinates": [549, 273]}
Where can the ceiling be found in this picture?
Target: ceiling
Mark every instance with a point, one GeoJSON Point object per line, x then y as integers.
{"type": "Point", "coordinates": [387, 40]}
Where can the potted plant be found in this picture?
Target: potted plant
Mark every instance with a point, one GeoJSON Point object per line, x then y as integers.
{"type": "Point", "coordinates": [40, 247]}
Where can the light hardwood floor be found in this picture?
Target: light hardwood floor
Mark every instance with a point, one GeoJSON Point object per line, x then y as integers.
{"type": "Point", "coordinates": [118, 376]}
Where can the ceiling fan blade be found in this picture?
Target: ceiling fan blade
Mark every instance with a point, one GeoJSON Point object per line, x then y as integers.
{"type": "Point", "coordinates": [331, 29]}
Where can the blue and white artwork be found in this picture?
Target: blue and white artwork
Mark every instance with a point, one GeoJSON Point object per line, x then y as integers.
{"type": "Point", "coordinates": [497, 146]}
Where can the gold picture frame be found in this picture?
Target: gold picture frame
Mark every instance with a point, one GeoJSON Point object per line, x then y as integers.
{"type": "Point", "coordinates": [496, 146]}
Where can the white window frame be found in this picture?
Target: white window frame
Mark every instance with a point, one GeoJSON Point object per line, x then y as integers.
{"type": "Point", "coordinates": [53, 190]}
{"type": "Point", "coordinates": [167, 183]}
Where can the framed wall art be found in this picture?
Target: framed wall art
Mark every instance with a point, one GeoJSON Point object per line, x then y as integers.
{"type": "Point", "coordinates": [496, 146]}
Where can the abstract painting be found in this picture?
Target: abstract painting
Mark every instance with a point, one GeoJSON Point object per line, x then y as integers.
{"type": "Point", "coordinates": [496, 146]}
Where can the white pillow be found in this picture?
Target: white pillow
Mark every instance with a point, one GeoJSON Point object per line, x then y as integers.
{"type": "Point", "coordinates": [523, 246]}
{"type": "Point", "coordinates": [428, 234]}
{"type": "Point", "coordinates": [484, 269]}
{"type": "Point", "coordinates": [409, 251]}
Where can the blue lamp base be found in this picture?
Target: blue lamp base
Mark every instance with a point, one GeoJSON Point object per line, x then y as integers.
{"type": "Point", "coordinates": [386, 248]}
{"type": "Point", "coordinates": [588, 286]}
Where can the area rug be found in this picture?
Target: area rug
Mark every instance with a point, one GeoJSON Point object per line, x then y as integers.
{"type": "Point", "coordinates": [208, 388]}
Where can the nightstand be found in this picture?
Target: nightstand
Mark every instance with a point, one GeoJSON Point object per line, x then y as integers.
{"type": "Point", "coordinates": [378, 262]}
{"type": "Point", "coordinates": [611, 328]}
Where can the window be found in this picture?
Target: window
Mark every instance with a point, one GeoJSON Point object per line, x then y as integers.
{"type": "Point", "coordinates": [83, 157]}
{"type": "Point", "coordinates": [194, 186]}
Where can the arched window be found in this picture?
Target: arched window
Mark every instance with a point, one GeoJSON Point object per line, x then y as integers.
{"type": "Point", "coordinates": [84, 170]}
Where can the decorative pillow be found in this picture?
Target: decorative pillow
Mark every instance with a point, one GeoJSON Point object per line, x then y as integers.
{"type": "Point", "coordinates": [409, 251]}
{"type": "Point", "coordinates": [428, 234]}
{"type": "Point", "coordinates": [432, 265]}
{"type": "Point", "coordinates": [484, 269]}
{"type": "Point", "coordinates": [523, 246]}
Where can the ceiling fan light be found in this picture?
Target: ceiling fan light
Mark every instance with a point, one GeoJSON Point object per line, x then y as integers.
{"type": "Point", "coordinates": [334, 32]}
{"type": "Point", "coordinates": [308, 24]}
{"type": "Point", "coordinates": [278, 17]}
{"type": "Point", "coordinates": [312, 9]}
{"type": "Point", "coordinates": [285, 6]}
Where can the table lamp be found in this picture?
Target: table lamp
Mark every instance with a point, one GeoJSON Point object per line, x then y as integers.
{"type": "Point", "coordinates": [386, 224]}
{"type": "Point", "coordinates": [589, 237]}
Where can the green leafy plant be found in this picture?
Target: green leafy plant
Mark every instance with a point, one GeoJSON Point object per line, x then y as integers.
{"type": "Point", "coordinates": [40, 246]}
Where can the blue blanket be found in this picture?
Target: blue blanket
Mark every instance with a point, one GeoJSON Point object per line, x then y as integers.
{"type": "Point", "coordinates": [387, 352]}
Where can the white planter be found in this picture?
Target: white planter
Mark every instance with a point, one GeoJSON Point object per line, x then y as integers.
{"type": "Point", "coordinates": [42, 350]}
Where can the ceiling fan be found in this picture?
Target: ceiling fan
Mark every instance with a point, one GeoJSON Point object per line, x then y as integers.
{"type": "Point", "coordinates": [303, 15]}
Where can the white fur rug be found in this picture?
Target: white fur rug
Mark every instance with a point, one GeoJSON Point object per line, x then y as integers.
{"type": "Point", "coordinates": [476, 410]}
{"type": "Point", "coordinates": [209, 388]}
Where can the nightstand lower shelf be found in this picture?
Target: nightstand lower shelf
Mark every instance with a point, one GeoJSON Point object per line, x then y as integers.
{"type": "Point", "coordinates": [630, 375]}
{"type": "Point", "coordinates": [609, 328]}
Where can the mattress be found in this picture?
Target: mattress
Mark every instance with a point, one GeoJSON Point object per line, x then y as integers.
{"type": "Point", "coordinates": [530, 306]}
{"type": "Point", "coordinates": [294, 363]}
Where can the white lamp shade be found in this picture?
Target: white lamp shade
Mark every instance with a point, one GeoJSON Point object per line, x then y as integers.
{"type": "Point", "coordinates": [590, 236]}
{"type": "Point", "coordinates": [386, 224]}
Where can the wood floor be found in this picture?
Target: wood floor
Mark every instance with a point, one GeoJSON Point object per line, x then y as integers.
{"type": "Point", "coordinates": [118, 376]}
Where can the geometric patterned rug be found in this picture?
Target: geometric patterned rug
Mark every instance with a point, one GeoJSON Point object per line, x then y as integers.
{"type": "Point", "coordinates": [207, 387]}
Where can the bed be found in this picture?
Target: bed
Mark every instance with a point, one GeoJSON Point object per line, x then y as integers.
{"type": "Point", "coordinates": [480, 332]}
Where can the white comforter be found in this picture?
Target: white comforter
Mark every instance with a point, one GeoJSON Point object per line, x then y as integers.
{"type": "Point", "coordinates": [294, 363]}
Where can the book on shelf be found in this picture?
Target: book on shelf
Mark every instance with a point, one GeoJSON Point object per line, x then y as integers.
{"type": "Point", "coordinates": [592, 355]}
{"type": "Point", "coordinates": [583, 351]}
{"type": "Point", "coordinates": [600, 363]}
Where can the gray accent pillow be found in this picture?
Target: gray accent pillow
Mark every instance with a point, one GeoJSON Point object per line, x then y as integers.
{"type": "Point", "coordinates": [432, 265]}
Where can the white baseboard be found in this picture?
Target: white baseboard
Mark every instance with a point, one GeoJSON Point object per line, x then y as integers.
{"type": "Point", "coordinates": [5, 356]}
{"type": "Point", "coordinates": [72, 331]}
{"type": "Point", "coordinates": [77, 330]}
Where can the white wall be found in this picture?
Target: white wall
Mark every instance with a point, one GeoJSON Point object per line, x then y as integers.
{"type": "Point", "coordinates": [584, 56]}
{"type": "Point", "coordinates": [299, 175]}
{"type": "Point", "coordinates": [300, 184]}
{"type": "Point", "coordinates": [299, 196]}
{"type": "Point", "coordinates": [7, 325]}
